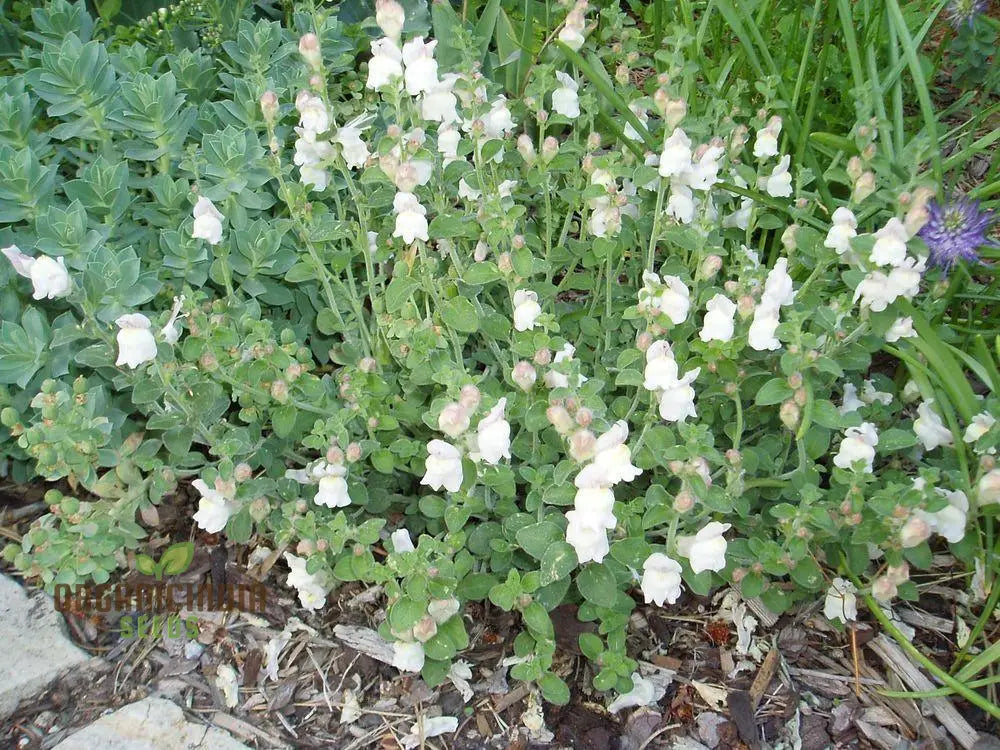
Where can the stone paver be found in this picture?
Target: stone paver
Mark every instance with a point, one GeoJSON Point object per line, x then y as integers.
{"type": "Point", "coordinates": [150, 724]}
{"type": "Point", "coordinates": [34, 645]}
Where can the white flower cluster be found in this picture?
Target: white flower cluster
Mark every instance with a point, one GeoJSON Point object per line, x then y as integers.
{"type": "Point", "coordinates": [331, 480]}
{"type": "Point", "coordinates": [593, 507]}
{"type": "Point", "coordinates": [490, 443]}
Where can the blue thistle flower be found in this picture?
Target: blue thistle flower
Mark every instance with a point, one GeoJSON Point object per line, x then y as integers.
{"type": "Point", "coordinates": [965, 12]}
{"type": "Point", "coordinates": [955, 231]}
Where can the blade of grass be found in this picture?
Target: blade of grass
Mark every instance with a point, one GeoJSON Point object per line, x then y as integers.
{"type": "Point", "coordinates": [598, 77]}
{"type": "Point", "coordinates": [977, 629]}
{"type": "Point", "coordinates": [970, 695]}
{"type": "Point", "coordinates": [939, 693]}
{"type": "Point", "coordinates": [853, 55]}
{"type": "Point", "coordinates": [988, 362]}
{"type": "Point", "coordinates": [920, 83]}
{"type": "Point", "coordinates": [979, 662]}
{"type": "Point", "coordinates": [486, 24]}
{"type": "Point", "coordinates": [949, 373]}
{"type": "Point", "coordinates": [527, 30]}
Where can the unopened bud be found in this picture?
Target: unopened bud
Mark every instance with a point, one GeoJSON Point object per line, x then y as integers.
{"type": "Point", "coordinates": [269, 105]}
{"type": "Point", "coordinates": [684, 501]}
{"type": "Point", "coordinates": [279, 391]}
{"type": "Point", "coordinates": [550, 147]}
{"type": "Point", "coordinates": [453, 420]}
{"type": "Point", "coordinates": [389, 16]}
{"type": "Point", "coordinates": [800, 396]}
{"type": "Point", "coordinates": [470, 397]}
{"type": "Point", "coordinates": [594, 140]}
{"type": "Point", "coordinates": [898, 574]}
{"type": "Point", "coordinates": [914, 531]}
{"type": "Point", "coordinates": [526, 148]}
{"type": "Point", "coordinates": [709, 267]}
{"type": "Point", "coordinates": [734, 457]}
{"type": "Point", "coordinates": [353, 453]}
{"type": "Point", "coordinates": [481, 252]}
{"type": "Point", "coordinates": [310, 51]}
{"type": "Point", "coordinates": [242, 472]}
{"type": "Point", "coordinates": [789, 236]}
{"type": "Point", "coordinates": [504, 263]}
{"type": "Point", "coordinates": [582, 445]}
{"type": "Point", "coordinates": [855, 168]}
{"type": "Point", "coordinates": [560, 419]}
{"type": "Point", "coordinates": [643, 341]}
{"type": "Point", "coordinates": [584, 416]}
{"type": "Point", "coordinates": [367, 365]}
{"type": "Point", "coordinates": [524, 375]}
{"type": "Point", "coordinates": [674, 110]}
{"type": "Point", "coordinates": [425, 629]}
{"type": "Point", "coordinates": [884, 589]}
{"type": "Point", "coordinates": [863, 187]}
{"type": "Point", "coordinates": [745, 306]}
{"type": "Point", "coordinates": [789, 414]}
{"type": "Point", "coordinates": [543, 357]}
{"type": "Point", "coordinates": [622, 74]}
{"type": "Point", "coordinates": [305, 547]}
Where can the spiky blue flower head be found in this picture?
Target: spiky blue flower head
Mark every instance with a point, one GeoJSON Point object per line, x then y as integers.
{"type": "Point", "coordinates": [955, 231]}
{"type": "Point", "coordinates": [965, 12]}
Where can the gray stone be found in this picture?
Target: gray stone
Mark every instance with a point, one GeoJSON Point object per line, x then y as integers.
{"type": "Point", "coordinates": [36, 649]}
{"type": "Point", "coordinates": [150, 724]}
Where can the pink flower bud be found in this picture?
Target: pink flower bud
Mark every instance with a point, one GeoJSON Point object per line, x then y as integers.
{"type": "Point", "coordinates": [710, 266]}
{"type": "Point", "coordinates": [242, 472]}
{"type": "Point", "coordinates": [279, 391]}
{"type": "Point", "coordinates": [543, 357]}
{"type": "Point", "coordinates": [684, 501]}
{"type": "Point", "coordinates": [863, 187]}
{"type": "Point", "coordinates": [550, 147]}
{"type": "Point", "coordinates": [674, 110]}
{"type": "Point", "coordinates": [526, 148]}
{"type": "Point", "coordinates": [884, 588]}
{"type": "Point", "coordinates": [582, 445]}
{"type": "Point", "coordinates": [453, 420]}
{"type": "Point", "coordinates": [389, 16]}
{"type": "Point", "coordinates": [559, 418]}
{"type": "Point", "coordinates": [914, 532]}
{"type": "Point", "coordinates": [470, 397]}
{"type": "Point", "coordinates": [310, 51]}
{"type": "Point", "coordinates": [524, 375]}
{"type": "Point", "coordinates": [269, 105]}
{"type": "Point", "coordinates": [353, 452]}
{"type": "Point", "coordinates": [584, 417]}
{"type": "Point", "coordinates": [789, 414]}
{"type": "Point", "coordinates": [854, 167]}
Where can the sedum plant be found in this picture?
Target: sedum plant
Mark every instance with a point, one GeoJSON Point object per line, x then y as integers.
{"type": "Point", "coordinates": [407, 331]}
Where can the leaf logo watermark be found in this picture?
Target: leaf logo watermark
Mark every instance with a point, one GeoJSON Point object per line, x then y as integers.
{"type": "Point", "coordinates": [175, 560]}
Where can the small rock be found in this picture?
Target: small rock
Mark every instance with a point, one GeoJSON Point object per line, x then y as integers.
{"type": "Point", "coordinates": [36, 649]}
{"type": "Point", "coordinates": [150, 724]}
{"type": "Point", "coordinates": [708, 727]}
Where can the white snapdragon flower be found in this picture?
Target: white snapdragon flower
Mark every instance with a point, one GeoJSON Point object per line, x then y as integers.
{"type": "Point", "coordinates": [467, 192]}
{"type": "Point", "coordinates": [661, 367]}
{"type": "Point", "coordinates": [332, 492]}
{"type": "Point", "coordinates": [443, 467]}
{"type": "Point", "coordinates": [661, 579]}
{"type": "Point", "coordinates": [677, 400]}
{"type": "Point", "coordinates": [761, 335]}
{"type": "Point", "coordinates": [493, 438]}
{"type": "Point", "coordinates": [842, 231]}
{"type": "Point", "coordinates": [596, 504]}
{"type": "Point", "coordinates": [951, 520]}
{"type": "Point", "coordinates": [207, 221]}
{"type": "Point", "coordinates": [858, 445]}
{"type": "Point", "coordinates": [401, 541]}
{"type": "Point", "coordinates": [779, 183]}
{"type": "Point", "coordinates": [605, 218]}
{"type": "Point", "coordinates": [841, 601]}
{"type": "Point", "coordinates": [930, 429]}
{"type": "Point", "coordinates": [214, 507]}
{"type": "Point", "coordinates": [719, 320]}
{"type": "Point", "coordinates": [309, 156]}
{"type": "Point", "coordinates": [389, 16]}
{"type": "Point", "coordinates": [421, 68]}
{"type": "Point", "coordinates": [904, 279]}
{"type": "Point", "coordinates": [902, 328]}
{"type": "Point", "coordinates": [740, 218]}
{"type": "Point", "coordinates": [352, 147]}
{"type": "Point", "coordinates": [870, 394]}
{"type": "Point", "coordinates": [675, 159]}
{"type": "Point", "coordinates": [447, 143]}
{"type": "Point", "coordinates": [313, 115]}
{"type": "Point", "coordinates": [988, 488]}
{"type": "Point", "coordinates": [555, 379]}
{"type": "Point", "coordinates": [571, 33]}
{"type": "Point", "coordinates": [851, 402]}
{"type": "Point", "coordinates": [498, 120]}
{"type": "Point", "coordinates": [171, 334]}
{"type": "Point", "coordinates": [650, 294]}
{"type": "Point", "coordinates": [136, 344]}
{"type": "Point", "coordinates": [680, 204]}
{"type": "Point", "coordinates": [875, 292]}
{"type": "Point", "coordinates": [705, 170]}
{"type": "Point", "coordinates": [440, 103]}
{"type": "Point", "coordinates": [980, 425]}
{"type": "Point", "coordinates": [312, 588]}
{"type": "Point", "coordinates": [506, 188]}
{"type": "Point", "coordinates": [588, 538]}
{"type": "Point", "coordinates": [565, 99]}
{"type": "Point", "coordinates": [766, 142]}
{"type": "Point", "coordinates": [890, 244]}
{"type": "Point", "coordinates": [706, 550]}
{"type": "Point", "coordinates": [410, 174]}
{"type": "Point", "coordinates": [49, 277]}
{"type": "Point", "coordinates": [778, 284]}
{"type": "Point", "coordinates": [675, 300]}
{"type": "Point", "coordinates": [613, 460]}
{"type": "Point", "coordinates": [411, 218]}
{"type": "Point", "coordinates": [385, 65]}
{"type": "Point", "coordinates": [526, 309]}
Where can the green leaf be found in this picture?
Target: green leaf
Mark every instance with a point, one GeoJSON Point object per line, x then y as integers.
{"type": "Point", "coordinates": [554, 689]}
{"type": "Point", "coordinates": [21, 354]}
{"type": "Point", "coordinates": [177, 557]}
{"type": "Point", "coordinates": [383, 461]}
{"type": "Point", "coordinates": [774, 391]}
{"type": "Point", "coordinates": [597, 585]}
{"type": "Point", "coordinates": [398, 292]}
{"type": "Point", "coordinates": [460, 314]}
{"type": "Point", "coordinates": [591, 645]}
{"type": "Point", "coordinates": [538, 621]}
{"type": "Point", "coordinates": [145, 564]}
{"type": "Point", "coordinates": [536, 538]}
{"type": "Point", "coordinates": [896, 439]}
{"type": "Point", "coordinates": [808, 574]}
